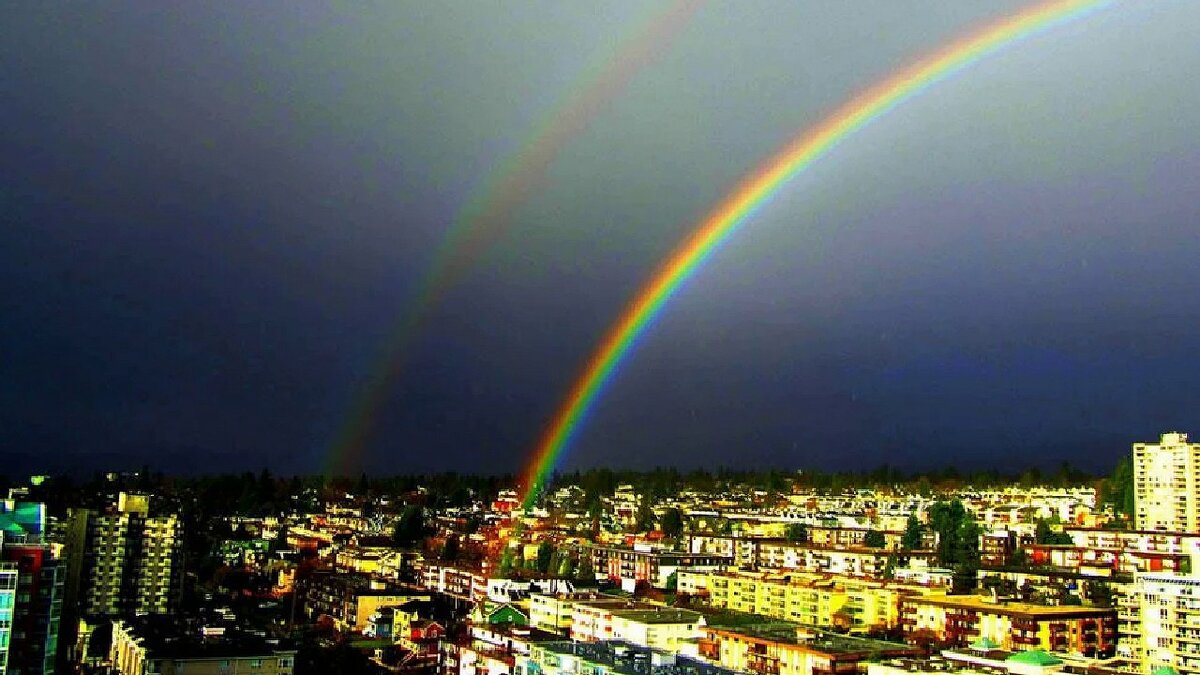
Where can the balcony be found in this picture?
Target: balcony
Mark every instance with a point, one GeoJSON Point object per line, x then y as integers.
{"type": "Point", "coordinates": [762, 664]}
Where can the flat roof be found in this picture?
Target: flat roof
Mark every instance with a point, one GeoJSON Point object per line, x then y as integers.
{"type": "Point", "coordinates": [627, 659]}
{"type": "Point", "coordinates": [983, 604]}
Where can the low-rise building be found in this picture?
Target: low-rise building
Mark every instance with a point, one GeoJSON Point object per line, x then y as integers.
{"type": "Point", "coordinates": [811, 599]}
{"type": "Point", "coordinates": [849, 561]}
{"type": "Point", "coordinates": [958, 620]}
{"type": "Point", "coordinates": [349, 600]}
{"type": "Point", "coordinates": [554, 611]}
{"type": "Point", "coordinates": [611, 657]}
{"type": "Point", "coordinates": [630, 565]}
{"type": "Point", "coordinates": [156, 645]}
{"type": "Point", "coordinates": [492, 649]}
{"type": "Point", "coordinates": [784, 648]}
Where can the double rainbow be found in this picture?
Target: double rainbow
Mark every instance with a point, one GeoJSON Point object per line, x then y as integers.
{"type": "Point", "coordinates": [757, 189]}
{"type": "Point", "coordinates": [489, 215]}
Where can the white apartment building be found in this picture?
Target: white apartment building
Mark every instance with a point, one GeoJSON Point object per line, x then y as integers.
{"type": "Point", "coordinates": [1166, 479]}
{"type": "Point", "coordinates": [1170, 622]}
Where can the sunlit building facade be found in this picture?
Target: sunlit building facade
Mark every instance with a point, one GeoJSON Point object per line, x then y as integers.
{"type": "Point", "coordinates": [1166, 479]}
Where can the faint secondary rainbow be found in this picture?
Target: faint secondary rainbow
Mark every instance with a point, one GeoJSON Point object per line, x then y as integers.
{"type": "Point", "coordinates": [756, 189]}
{"type": "Point", "coordinates": [488, 216]}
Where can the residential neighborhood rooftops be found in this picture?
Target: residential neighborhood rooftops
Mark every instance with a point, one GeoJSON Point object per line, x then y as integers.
{"type": "Point", "coordinates": [627, 659]}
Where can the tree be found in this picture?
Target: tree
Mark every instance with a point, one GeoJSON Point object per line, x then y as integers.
{"type": "Point", "coordinates": [450, 549]}
{"type": "Point", "coordinates": [874, 539]}
{"type": "Point", "coordinates": [673, 582]}
{"type": "Point", "coordinates": [889, 567]}
{"type": "Point", "coordinates": [644, 519]}
{"type": "Point", "coordinates": [507, 563]}
{"type": "Point", "coordinates": [797, 532]}
{"type": "Point", "coordinates": [545, 552]}
{"type": "Point", "coordinates": [1100, 594]}
{"type": "Point", "coordinates": [913, 529]}
{"type": "Point", "coordinates": [410, 528]}
{"type": "Point", "coordinates": [672, 523]}
{"type": "Point", "coordinates": [280, 543]}
{"type": "Point", "coordinates": [566, 567]}
{"type": "Point", "coordinates": [1044, 534]}
{"type": "Point", "coordinates": [584, 573]}
{"type": "Point", "coordinates": [1117, 489]}
{"type": "Point", "coordinates": [958, 542]}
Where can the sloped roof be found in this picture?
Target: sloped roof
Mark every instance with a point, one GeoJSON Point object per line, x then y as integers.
{"type": "Point", "coordinates": [1034, 657]}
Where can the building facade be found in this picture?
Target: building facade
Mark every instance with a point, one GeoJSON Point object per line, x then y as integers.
{"type": "Point", "coordinates": [124, 561]}
{"type": "Point", "coordinates": [37, 612]}
{"type": "Point", "coordinates": [1168, 607]}
{"type": "Point", "coordinates": [1166, 478]}
{"type": "Point", "coordinates": [959, 620]}
{"type": "Point", "coordinates": [814, 600]}
{"type": "Point", "coordinates": [139, 648]}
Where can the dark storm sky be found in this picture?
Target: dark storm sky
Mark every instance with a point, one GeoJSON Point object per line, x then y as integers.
{"type": "Point", "coordinates": [213, 214]}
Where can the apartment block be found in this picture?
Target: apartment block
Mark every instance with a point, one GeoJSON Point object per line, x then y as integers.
{"type": "Point", "coordinates": [638, 623]}
{"type": "Point", "coordinates": [555, 611]}
{"type": "Point", "coordinates": [630, 565]}
{"type": "Point", "coordinates": [124, 561]}
{"type": "Point", "coordinates": [786, 649]}
{"type": "Point", "coordinates": [850, 561]}
{"type": "Point", "coordinates": [814, 600]}
{"type": "Point", "coordinates": [151, 646]}
{"type": "Point", "coordinates": [36, 614]}
{"type": "Point", "coordinates": [958, 620]}
{"type": "Point", "coordinates": [611, 657]}
{"type": "Point", "coordinates": [1166, 482]}
{"type": "Point", "coordinates": [1168, 607]}
{"type": "Point", "coordinates": [349, 600]}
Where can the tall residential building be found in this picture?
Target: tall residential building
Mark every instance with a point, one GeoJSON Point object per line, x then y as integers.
{"type": "Point", "coordinates": [31, 591]}
{"type": "Point", "coordinates": [37, 612]}
{"type": "Point", "coordinates": [1166, 479]}
{"type": "Point", "coordinates": [126, 561]}
{"type": "Point", "coordinates": [8, 601]}
{"type": "Point", "coordinates": [1170, 622]}
{"type": "Point", "coordinates": [121, 562]}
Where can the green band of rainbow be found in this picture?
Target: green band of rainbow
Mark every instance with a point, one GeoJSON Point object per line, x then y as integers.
{"type": "Point", "coordinates": [758, 188]}
{"type": "Point", "coordinates": [489, 215]}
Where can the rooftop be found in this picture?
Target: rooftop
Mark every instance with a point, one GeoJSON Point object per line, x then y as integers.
{"type": "Point", "coordinates": [164, 637]}
{"type": "Point", "coordinates": [660, 615]}
{"type": "Point", "coordinates": [626, 659]}
{"type": "Point", "coordinates": [986, 604]}
{"type": "Point", "coordinates": [809, 638]}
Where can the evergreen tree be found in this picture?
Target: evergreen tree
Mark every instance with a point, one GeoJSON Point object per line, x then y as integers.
{"type": "Point", "coordinates": [450, 549]}
{"type": "Point", "coordinates": [889, 568]}
{"type": "Point", "coordinates": [797, 532]}
{"type": "Point", "coordinates": [874, 539]}
{"type": "Point", "coordinates": [644, 519]}
{"type": "Point", "coordinates": [566, 567]}
{"type": "Point", "coordinates": [672, 523]}
{"type": "Point", "coordinates": [584, 573]}
{"type": "Point", "coordinates": [911, 541]}
{"type": "Point", "coordinates": [545, 552]}
{"type": "Point", "coordinates": [1117, 490]}
{"type": "Point", "coordinates": [507, 563]}
{"type": "Point", "coordinates": [410, 528]}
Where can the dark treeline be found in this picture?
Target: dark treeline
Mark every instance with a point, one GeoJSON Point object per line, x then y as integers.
{"type": "Point", "coordinates": [667, 481]}
{"type": "Point", "coordinates": [263, 493]}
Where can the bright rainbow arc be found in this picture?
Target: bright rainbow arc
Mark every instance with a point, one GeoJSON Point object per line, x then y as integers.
{"type": "Point", "coordinates": [755, 190]}
{"type": "Point", "coordinates": [488, 216]}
